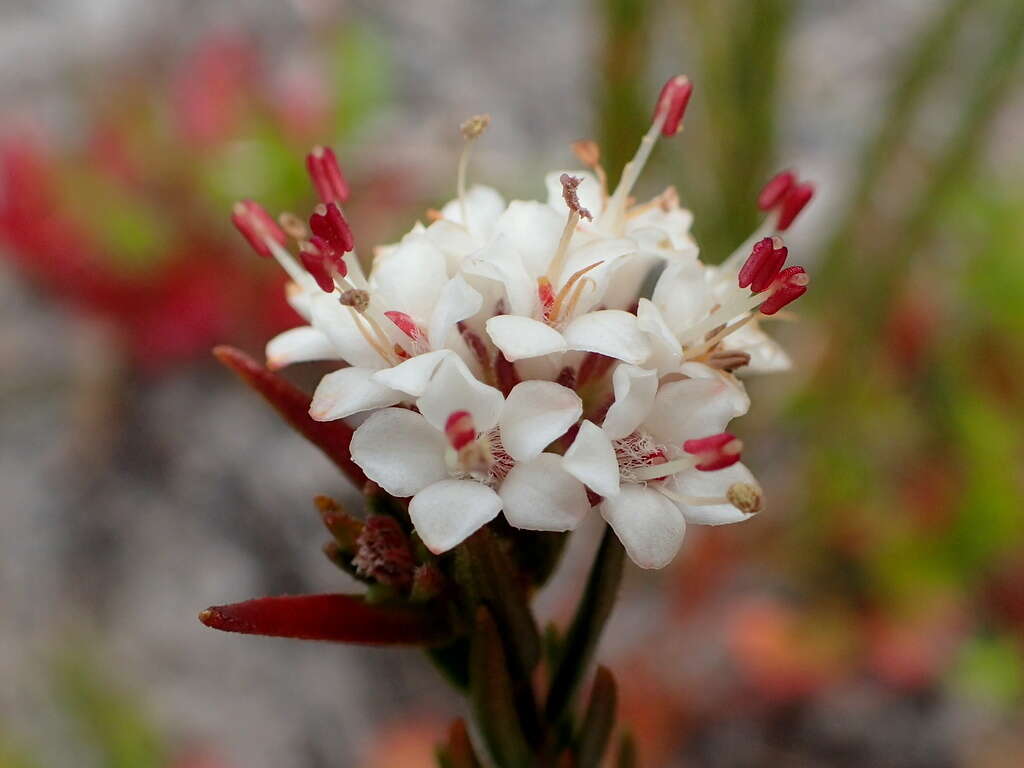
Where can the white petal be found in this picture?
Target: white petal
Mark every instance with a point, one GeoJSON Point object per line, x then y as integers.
{"type": "Point", "coordinates": [413, 375]}
{"type": "Point", "coordinates": [299, 298]}
{"type": "Point", "coordinates": [399, 451]}
{"type": "Point", "coordinates": [683, 295]}
{"type": "Point", "coordinates": [766, 355]}
{"type": "Point", "coordinates": [299, 345]}
{"type": "Point", "coordinates": [610, 332]}
{"type": "Point", "coordinates": [449, 511]}
{"type": "Point", "coordinates": [591, 459]}
{"type": "Point", "coordinates": [648, 525]}
{"type": "Point", "coordinates": [454, 388]}
{"type": "Point", "coordinates": [410, 278]}
{"type": "Point", "coordinates": [339, 325]}
{"type": "Point", "coordinates": [520, 337]}
{"type": "Point", "coordinates": [350, 390]}
{"type": "Point", "coordinates": [696, 484]}
{"type": "Point", "coordinates": [501, 262]}
{"type": "Point", "coordinates": [667, 352]}
{"type": "Point", "coordinates": [536, 413]}
{"type": "Point", "coordinates": [634, 396]}
{"type": "Point", "coordinates": [674, 224]}
{"type": "Point", "coordinates": [533, 229]}
{"type": "Point", "coordinates": [588, 192]}
{"type": "Point", "coordinates": [628, 277]}
{"type": "Point", "coordinates": [695, 407]}
{"type": "Point", "coordinates": [483, 207]}
{"type": "Point", "coordinates": [456, 302]}
{"type": "Point", "coordinates": [539, 495]}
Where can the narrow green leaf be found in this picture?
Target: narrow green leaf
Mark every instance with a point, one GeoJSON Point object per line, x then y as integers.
{"type": "Point", "coordinates": [585, 631]}
{"type": "Point", "coordinates": [492, 698]}
{"type": "Point", "coordinates": [493, 574]}
{"type": "Point", "coordinates": [596, 731]}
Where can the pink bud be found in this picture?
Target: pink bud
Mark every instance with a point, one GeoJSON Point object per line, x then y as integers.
{"type": "Point", "coordinates": [715, 452]}
{"type": "Point", "coordinates": [459, 429]}
{"type": "Point", "coordinates": [763, 264]}
{"type": "Point", "coordinates": [790, 285]}
{"type": "Point", "coordinates": [775, 190]}
{"type": "Point", "coordinates": [256, 226]}
{"type": "Point", "coordinates": [672, 102]}
{"type": "Point", "coordinates": [325, 172]}
{"type": "Point", "coordinates": [329, 223]}
{"type": "Point", "coordinates": [796, 199]}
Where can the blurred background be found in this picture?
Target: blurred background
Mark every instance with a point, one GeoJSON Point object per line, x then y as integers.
{"type": "Point", "coordinates": [873, 615]}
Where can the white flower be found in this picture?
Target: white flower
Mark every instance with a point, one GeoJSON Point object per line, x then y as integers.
{"type": "Point", "coordinates": [636, 460]}
{"type": "Point", "coordinates": [469, 453]}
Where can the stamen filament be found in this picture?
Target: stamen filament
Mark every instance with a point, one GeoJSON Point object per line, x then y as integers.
{"type": "Point", "coordinates": [741, 304]}
{"type": "Point", "coordinates": [655, 471]}
{"type": "Point", "coordinates": [562, 252]}
{"type": "Point", "coordinates": [615, 212]}
{"type": "Point", "coordinates": [555, 314]}
{"type": "Point", "coordinates": [710, 343]}
{"type": "Point", "coordinates": [693, 501]}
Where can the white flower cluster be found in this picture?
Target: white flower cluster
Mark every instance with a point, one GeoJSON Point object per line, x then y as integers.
{"type": "Point", "coordinates": [506, 358]}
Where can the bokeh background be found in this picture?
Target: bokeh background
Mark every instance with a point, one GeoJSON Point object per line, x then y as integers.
{"type": "Point", "coordinates": [874, 615]}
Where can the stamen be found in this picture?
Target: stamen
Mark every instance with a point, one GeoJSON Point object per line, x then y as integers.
{"type": "Point", "coordinates": [571, 196]}
{"type": "Point", "coordinates": [471, 129]}
{"type": "Point", "coordinates": [406, 325]}
{"type": "Point", "coordinates": [459, 429]}
{"type": "Point", "coordinates": [556, 314]}
{"type": "Point", "coordinates": [715, 452]}
{"type": "Point", "coordinates": [374, 336]}
{"type": "Point", "coordinates": [316, 264]}
{"type": "Point", "coordinates": [668, 116]}
{"type": "Point", "coordinates": [660, 469]}
{"type": "Point", "coordinates": [763, 265]}
{"type": "Point", "coordinates": [795, 201]}
{"type": "Point", "coordinates": [293, 226]}
{"type": "Point", "coordinates": [546, 296]}
{"type": "Point", "coordinates": [775, 190]}
{"type": "Point", "coordinates": [747, 498]}
{"type": "Point", "coordinates": [256, 226]}
{"type": "Point", "coordinates": [325, 172]}
{"type": "Point", "coordinates": [672, 102]}
{"type": "Point", "coordinates": [569, 184]}
{"type": "Point", "coordinates": [789, 286]}
{"type": "Point", "coordinates": [358, 299]}
{"type": "Point", "coordinates": [328, 222]}
{"type": "Point", "coordinates": [728, 361]}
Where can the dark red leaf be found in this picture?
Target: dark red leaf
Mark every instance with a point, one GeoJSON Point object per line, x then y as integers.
{"type": "Point", "coordinates": [331, 437]}
{"type": "Point", "coordinates": [336, 618]}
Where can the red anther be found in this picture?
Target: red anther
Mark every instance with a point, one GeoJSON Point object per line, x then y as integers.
{"type": "Point", "coordinates": [459, 429]}
{"type": "Point", "coordinates": [775, 190]}
{"type": "Point", "coordinates": [329, 223]}
{"type": "Point", "coordinates": [256, 226]}
{"type": "Point", "coordinates": [715, 452]}
{"type": "Point", "coordinates": [790, 285]}
{"type": "Point", "coordinates": [316, 264]}
{"type": "Point", "coordinates": [406, 325]}
{"type": "Point", "coordinates": [763, 264]}
{"type": "Point", "coordinates": [546, 294]}
{"type": "Point", "coordinates": [332, 257]}
{"type": "Point", "coordinates": [672, 101]}
{"type": "Point", "coordinates": [795, 201]}
{"type": "Point", "coordinates": [325, 172]}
